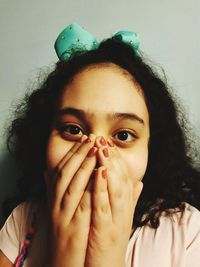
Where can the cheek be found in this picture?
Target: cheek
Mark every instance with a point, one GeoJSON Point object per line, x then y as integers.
{"type": "Point", "coordinates": [56, 150]}
{"type": "Point", "coordinates": [137, 163]}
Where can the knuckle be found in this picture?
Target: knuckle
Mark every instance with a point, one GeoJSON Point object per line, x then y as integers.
{"type": "Point", "coordinates": [83, 206]}
{"type": "Point", "coordinates": [113, 238]}
{"type": "Point", "coordinates": [104, 208]}
{"type": "Point", "coordinates": [118, 194]}
{"type": "Point", "coordinates": [78, 153]}
{"type": "Point", "coordinates": [70, 190]}
{"type": "Point", "coordinates": [84, 167]}
{"type": "Point", "coordinates": [126, 181]}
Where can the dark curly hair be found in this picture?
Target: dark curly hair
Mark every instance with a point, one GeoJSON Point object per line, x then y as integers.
{"type": "Point", "coordinates": [171, 178]}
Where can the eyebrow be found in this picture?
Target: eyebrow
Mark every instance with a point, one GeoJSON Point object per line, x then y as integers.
{"type": "Point", "coordinates": [113, 116]}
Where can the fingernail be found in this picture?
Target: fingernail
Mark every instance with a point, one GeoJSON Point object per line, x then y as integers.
{"type": "Point", "coordinates": [110, 143]}
{"type": "Point", "coordinates": [92, 152]}
{"type": "Point", "coordinates": [104, 174]}
{"type": "Point", "coordinates": [102, 141]}
{"type": "Point", "coordinates": [106, 153]}
{"type": "Point", "coordinates": [88, 140]}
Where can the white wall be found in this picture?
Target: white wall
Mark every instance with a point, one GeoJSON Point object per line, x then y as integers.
{"type": "Point", "coordinates": [169, 30]}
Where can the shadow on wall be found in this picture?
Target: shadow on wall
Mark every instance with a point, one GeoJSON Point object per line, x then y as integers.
{"type": "Point", "coordinates": [8, 183]}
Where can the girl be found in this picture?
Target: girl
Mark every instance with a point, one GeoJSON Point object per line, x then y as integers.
{"type": "Point", "coordinates": [107, 177]}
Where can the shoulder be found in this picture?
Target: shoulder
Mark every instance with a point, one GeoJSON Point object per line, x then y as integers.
{"type": "Point", "coordinates": [181, 228]}
{"type": "Point", "coordinates": [175, 228]}
{"type": "Point", "coordinates": [21, 212]}
{"type": "Point", "coordinates": [190, 214]}
{"type": "Point", "coordinates": [190, 229]}
{"type": "Point", "coordinates": [21, 209]}
{"type": "Point", "coordinates": [191, 222]}
{"type": "Point", "coordinates": [27, 207]}
{"type": "Point", "coordinates": [13, 231]}
{"type": "Point", "coordinates": [19, 218]}
{"type": "Point", "coordinates": [189, 218]}
{"type": "Point", "coordinates": [178, 232]}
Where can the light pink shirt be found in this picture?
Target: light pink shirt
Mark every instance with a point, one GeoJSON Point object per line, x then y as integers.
{"type": "Point", "coordinates": [175, 243]}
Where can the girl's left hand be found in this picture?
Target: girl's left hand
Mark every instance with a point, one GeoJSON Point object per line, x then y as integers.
{"type": "Point", "coordinates": [114, 200]}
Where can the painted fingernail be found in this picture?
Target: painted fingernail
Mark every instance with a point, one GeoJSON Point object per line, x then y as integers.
{"type": "Point", "coordinates": [88, 140]}
{"type": "Point", "coordinates": [92, 152]}
{"type": "Point", "coordinates": [104, 174]}
{"type": "Point", "coordinates": [110, 143]}
{"type": "Point", "coordinates": [102, 141]}
{"type": "Point", "coordinates": [106, 153]}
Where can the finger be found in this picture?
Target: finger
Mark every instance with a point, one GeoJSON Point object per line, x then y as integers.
{"type": "Point", "coordinates": [104, 158]}
{"type": "Point", "coordinates": [110, 143]}
{"type": "Point", "coordinates": [118, 162]}
{"type": "Point", "coordinates": [83, 211]}
{"type": "Point", "coordinates": [68, 171]}
{"type": "Point", "coordinates": [106, 155]}
{"type": "Point", "coordinates": [117, 187]}
{"type": "Point", "coordinates": [101, 211]}
{"type": "Point", "coordinates": [125, 179]}
{"type": "Point", "coordinates": [100, 141]}
{"type": "Point", "coordinates": [50, 178]}
{"type": "Point", "coordinates": [70, 153]}
{"type": "Point", "coordinates": [76, 188]}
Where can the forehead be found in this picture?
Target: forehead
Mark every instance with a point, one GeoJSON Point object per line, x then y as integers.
{"type": "Point", "coordinates": [104, 89]}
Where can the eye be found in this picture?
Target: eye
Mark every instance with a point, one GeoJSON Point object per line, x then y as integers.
{"type": "Point", "coordinates": [71, 129]}
{"type": "Point", "coordinates": [125, 136]}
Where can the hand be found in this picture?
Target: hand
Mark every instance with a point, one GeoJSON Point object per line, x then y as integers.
{"type": "Point", "coordinates": [114, 200]}
{"type": "Point", "coordinates": [69, 201]}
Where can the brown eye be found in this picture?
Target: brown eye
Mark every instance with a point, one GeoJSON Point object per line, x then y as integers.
{"type": "Point", "coordinates": [125, 136]}
{"type": "Point", "coordinates": [72, 129]}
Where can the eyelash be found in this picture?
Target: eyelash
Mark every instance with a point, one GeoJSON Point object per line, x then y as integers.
{"type": "Point", "coordinates": [63, 130]}
{"type": "Point", "coordinates": [128, 132]}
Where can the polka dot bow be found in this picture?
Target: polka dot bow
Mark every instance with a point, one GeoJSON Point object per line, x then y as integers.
{"type": "Point", "coordinates": [75, 38]}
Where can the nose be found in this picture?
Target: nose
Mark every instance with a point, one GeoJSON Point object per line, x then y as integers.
{"type": "Point", "coordinates": [100, 141]}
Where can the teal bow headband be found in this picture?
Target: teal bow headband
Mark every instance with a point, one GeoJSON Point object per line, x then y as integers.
{"type": "Point", "coordinates": [74, 38]}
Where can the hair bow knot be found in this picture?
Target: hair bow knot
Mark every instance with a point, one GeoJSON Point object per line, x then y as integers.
{"type": "Point", "coordinates": [75, 38]}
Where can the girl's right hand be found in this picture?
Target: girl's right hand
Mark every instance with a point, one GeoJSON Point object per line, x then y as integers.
{"type": "Point", "coordinates": [69, 201]}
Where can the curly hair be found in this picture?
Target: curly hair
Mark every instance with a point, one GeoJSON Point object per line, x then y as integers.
{"type": "Point", "coordinates": [171, 178]}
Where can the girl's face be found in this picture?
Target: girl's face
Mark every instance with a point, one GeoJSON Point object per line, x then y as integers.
{"type": "Point", "coordinates": [104, 100]}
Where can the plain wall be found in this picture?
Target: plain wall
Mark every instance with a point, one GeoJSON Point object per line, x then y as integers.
{"type": "Point", "coordinates": [169, 33]}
